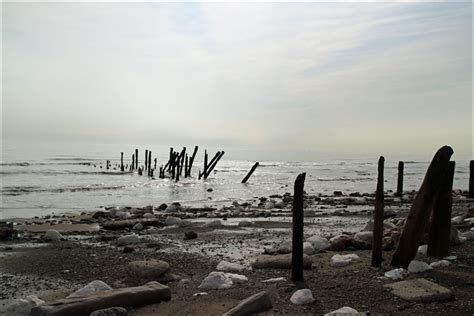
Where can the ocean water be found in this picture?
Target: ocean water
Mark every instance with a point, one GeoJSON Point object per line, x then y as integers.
{"type": "Point", "coordinates": [38, 180]}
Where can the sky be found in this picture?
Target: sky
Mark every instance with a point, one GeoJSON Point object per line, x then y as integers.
{"type": "Point", "coordinates": [276, 77]}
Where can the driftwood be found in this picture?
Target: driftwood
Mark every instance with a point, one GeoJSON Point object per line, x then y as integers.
{"type": "Point", "coordinates": [400, 178]}
{"type": "Point", "coordinates": [378, 218]}
{"type": "Point", "coordinates": [440, 230]}
{"type": "Point", "coordinates": [297, 241]}
{"type": "Point", "coordinates": [250, 173]}
{"type": "Point", "coordinates": [418, 217]}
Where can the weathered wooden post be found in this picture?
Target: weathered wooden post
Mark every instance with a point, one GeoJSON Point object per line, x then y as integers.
{"type": "Point", "coordinates": [132, 167]}
{"type": "Point", "coordinates": [250, 173]}
{"type": "Point", "coordinates": [146, 159]}
{"type": "Point", "coordinates": [378, 218]}
{"type": "Point", "coordinates": [121, 162]}
{"type": "Point", "coordinates": [107, 164]}
{"type": "Point", "coordinates": [156, 160]}
{"type": "Point", "coordinates": [213, 163]}
{"type": "Point", "coordinates": [191, 160]}
{"type": "Point", "coordinates": [136, 159]}
{"type": "Point", "coordinates": [149, 163]}
{"type": "Point", "coordinates": [400, 178]}
{"type": "Point", "coordinates": [418, 217]}
{"type": "Point", "coordinates": [440, 230]}
{"type": "Point", "coordinates": [186, 166]}
{"type": "Point", "coordinates": [297, 242]}
{"type": "Point", "coordinates": [471, 179]}
{"type": "Point", "coordinates": [205, 162]}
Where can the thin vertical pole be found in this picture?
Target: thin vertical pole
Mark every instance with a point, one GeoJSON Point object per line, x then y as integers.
{"type": "Point", "coordinates": [400, 178]}
{"type": "Point", "coordinates": [378, 218]}
{"type": "Point", "coordinates": [297, 242]}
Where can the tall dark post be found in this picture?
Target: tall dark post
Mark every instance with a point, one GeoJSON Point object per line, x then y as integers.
{"type": "Point", "coordinates": [121, 162]}
{"type": "Point", "coordinates": [136, 159]}
{"type": "Point", "coordinates": [400, 178]}
{"type": "Point", "coordinates": [186, 161]}
{"type": "Point", "coordinates": [205, 162]}
{"type": "Point", "coordinates": [378, 218]}
{"type": "Point", "coordinates": [297, 242]}
{"type": "Point", "coordinates": [440, 230]}
{"type": "Point", "coordinates": [170, 160]}
{"type": "Point", "coordinates": [146, 159]}
{"type": "Point", "coordinates": [250, 172]}
{"type": "Point", "coordinates": [107, 164]}
{"type": "Point", "coordinates": [132, 166]}
{"type": "Point", "coordinates": [149, 163]}
{"type": "Point", "coordinates": [471, 179]}
{"type": "Point", "coordinates": [191, 160]}
{"type": "Point", "coordinates": [156, 159]}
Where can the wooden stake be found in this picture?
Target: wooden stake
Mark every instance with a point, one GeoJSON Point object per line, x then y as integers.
{"type": "Point", "coordinates": [250, 172]}
{"type": "Point", "coordinates": [297, 242]}
{"type": "Point", "coordinates": [156, 159]}
{"type": "Point", "coordinates": [471, 179]}
{"type": "Point", "coordinates": [121, 162]}
{"type": "Point", "coordinates": [149, 164]}
{"type": "Point", "coordinates": [191, 160]}
{"type": "Point", "coordinates": [440, 230]}
{"type": "Point", "coordinates": [186, 166]}
{"type": "Point", "coordinates": [378, 218]}
{"type": "Point", "coordinates": [133, 162]}
{"type": "Point", "coordinates": [418, 217]}
{"type": "Point", "coordinates": [400, 178]}
{"type": "Point", "coordinates": [146, 159]}
{"type": "Point", "coordinates": [136, 159]}
{"type": "Point", "coordinates": [213, 163]}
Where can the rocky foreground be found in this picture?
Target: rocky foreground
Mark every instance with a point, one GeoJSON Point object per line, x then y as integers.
{"type": "Point", "coordinates": [232, 260]}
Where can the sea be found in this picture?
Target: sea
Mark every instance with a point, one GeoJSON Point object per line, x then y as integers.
{"type": "Point", "coordinates": [39, 179]}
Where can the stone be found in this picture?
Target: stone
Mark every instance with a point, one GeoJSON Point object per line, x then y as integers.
{"type": "Point", "coordinates": [245, 223]}
{"type": "Point", "coordinates": [185, 223]}
{"type": "Point", "coordinates": [190, 235]}
{"type": "Point", "coordinates": [285, 247]}
{"type": "Point", "coordinates": [237, 278]}
{"type": "Point", "coordinates": [319, 243]}
{"type": "Point", "coordinates": [254, 304]}
{"type": "Point", "coordinates": [422, 250]}
{"type": "Point", "coordinates": [162, 207]}
{"type": "Point", "coordinates": [91, 288]}
{"type": "Point", "coordinates": [140, 272]}
{"type": "Point", "coordinates": [53, 235]}
{"type": "Point", "coordinates": [278, 262]}
{"type": "Point", "coordinates": [468, 235]}
{"type": "Point", "coordinates": [138, 226]}
{"type": "Point", "coordinates": [420, 290]}
{"type": "Point", "coordinates": [22, 306]}
{"type": "Point", "coordinates": [308, 248]}
{"type": "Point", "coordinates": [416, 266]}
{"type": "Point", "coordinates": [150, 293]}
{"type": "Point", "coordinates": [274, 280]}
{"type": "Point", "coordinates": [112, 311]}
{"type": "Point", "coordinates": [457, 220]}
{"type": "Point", "coordinates": [172, 220]}
{"type": "Point", "coordinates": [269, 205]}
{"type": "Point", "coordinates": [440, 263]}
{"type": "Point", "coordinates": [346, 310]}
{"type": "Point", "coordinates": [366, 237]}
{"type": "Point", "coordinates": [216, 281]}
{"type": "Point", "coordinates": [303, 296]}
{"type": "Point", "coordinates": [128, 240]}
{"type": "Point", "coordinates": [309, 213]}
{"type": "Point", "coordinates": [396, 274]}
{"type": "Point", "coordinates": [229, 266]}
{"type": "Point", "coordinates": [340, 243]}
{"type": "Point", "coordinates": [343, 260]}
{"type": "Point", "coordinates": [213, 224]}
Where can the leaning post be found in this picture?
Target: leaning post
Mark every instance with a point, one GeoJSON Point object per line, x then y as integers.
{"type": "Point", "coordinates": [297, 242]}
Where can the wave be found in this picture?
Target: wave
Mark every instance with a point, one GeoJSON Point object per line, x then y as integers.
{"type": "Point", "coordinates": [64, 172]}
{"type": "Point", "coordinates": [16, 190]}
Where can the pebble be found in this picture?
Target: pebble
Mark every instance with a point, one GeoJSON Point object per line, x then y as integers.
{"type": "Point", "coordinates": [303, 296]}
{"type": "Point", "coordinates": [343, 260]}
{"type": "Point", "coordinates": [418, 266]}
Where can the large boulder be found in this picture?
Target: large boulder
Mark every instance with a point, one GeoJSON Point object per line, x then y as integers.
{"type": "Point", "coordinates": [172, 220]}
{"type": "Point", "coordinates": [343, 260]}
{"type": "Point", "coordinates": [418, 266]}
{"type": "Point", "coordinates": [22, 306]}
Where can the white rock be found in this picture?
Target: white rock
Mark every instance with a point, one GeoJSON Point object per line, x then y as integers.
{"type": "Point", "coordinates": [440, 263]}
{"type": "Point", "coordinates": [346, 310]}
{"type": "Point", "coordinates": [319, 243]}
{"type": "Point", "coordinates": [365, 237]}
{"type": "Point", "coordinates": [214, 224]}
{"type": "Point", "coordinates": [216, 281]}
{"type": "Point", "coordinates": [274, 280]}
{"type": "Point", "coordinates": [418, 266]}
{"type": "Point", "coordinates": [229, 266]}
{"type": "Point", "coordinates": [128, 240]}
{"type": "Point", "coordinates": [22, 306]}
{"type": "Point", "coordinates": [343, 260]}
{"type": "Point", "coordinates": [423, 249]}
{"type": "Point", "coordinates": [138, 226]}
{"type": "Point", "coordinates": [53, 235]}
{"type": "Point", "coordinates": [396, 274]}
{"type": "Point", "coordinates": [237, 278]}
{"type": "Point", "coordinates": [172, 220]}
{"type": "Point", "coordinates": [303, 296]}
{"type": "Point", "coordinates": [93, 287]}
{"type": "Point", "coordinates": [200, 294]}
{"type": "Point", "coordinates": [457, 220]}
{"type": "Point", "coordinates": [308, 248]}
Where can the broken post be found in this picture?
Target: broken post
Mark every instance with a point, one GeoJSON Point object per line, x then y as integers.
{"type": "Point", "coordinates": [471, 179]}
{"type": "Point", "coordinates": [136, 159]}
{"type": "Point", "coordinates": [418, 217]}
{"type": "Point", "coordinates": [133, 163]}
{"type": "Point", "coordinates": [440, 230]}
{"type": "Point", "coordinates": [121, 161]}
{"type": "Point", "coordinates": [191, 160]}
{"type": "Point", "coordinates": [250, 172]}
{"type": "Point", "coordinates": [186, 161]}
{"type": "Point", "coordinates": [378, 218]}
{"type": "Point", "coordinates": [149, 164]}
{"type": "Point", "coordinates": [156, 159]}
{"type": "Point", "coordinates": [400, 178]}
{"type": "Point", "coordinates": [297, 242]}
{"type": "Point", "coordinates": [146, 159]}
{"type": "Point", "coordinates": [214, 162]}
{"type": "Point", "coordinates": [205, 163]}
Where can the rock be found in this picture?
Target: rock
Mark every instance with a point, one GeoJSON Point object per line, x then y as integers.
{"type": "Point", "coordinates": [457, 220]}
{"type": "Point", "coordinates": [162, 207]}
{"type": "Point", "coordinates": [420, 290]}
{"type": "Point", "coordinates": [148, 215]}
{"type": "Point", "coordinates": [213, 224]}
{"type": "Point", "coordinates": [53, 235]}
{"type": "Point", "coordinates": [337, 193]}
{"type": "Point", "coordinates": [396, 274]}
{"type": "Point", "coordinates": [112, 311]}
{"type": "Point", "coordinates": [269, 251]}
{"type": "Point", "coordinates": [340, 243]}
{"type": "Point", "coordinates": [309, 213]}
{"type": "Point", "coordinates": [245, 223]}
{"type": "Point", "coordinates": [278, 262]}
{"type": "Point", "coordinates": [173, 208]}
{"type": "Point", "coordinates": [440, 263]}
{"type": "Point", "coordinates": [237, 278]}
{"type": "Point", "coordinates": [128, 240]}
{"type": "Point", "coordinates": [319, 243]}
{"type": "Point", "coordinates": [254, 304]}
{"type": "Point", "coordinates": [184, 223]}
{"type": "Point", "coordinates": [343, 260]}
{"type": "Point", "coordinates": [468, 235]}
{"type": "Point", "coordinates": [123, 215]}
{"type": "Point", "coordinates": [229, 266]}
{"type": "Point", "coordinates": [346, 310]}
{"type": "Point", "coordinates": [190, 235]}
{"type": "Point", "coordinates": [451, 258]}
{"type": "Point", "coordinates": [92, 288]}
{"type": "Point", "coordinates": [269, 205]}
{"type": "Point", "coordinates": [172, 220]}
{"type": "Point", "coordinates": [285, 247]}
{"type": "Point", "coordinates": [418, 266]}
{"type": "Point", "coordinates": [422, 250]}
{"type": "Point", "coordinates": [365, 237]}
{"type": "Point", "coordinates": [128, 249]}
{"type": "Point", "coordinates": [308, 248]}
{"type": "Point", "coordinates": [303, 296]}
{"type": "Point", "coordinates": [140, 272]}
{"type": "Point", "coordinates": [216, 281]}
{"type": "Point", "coordinates": [137, 226]}
{"type": "Point", "coordinates": [280, 205]}
{"type": "Point", "coordinates": [389, 213]}
{"type": "Point", "coordinates": [22, 306]}
{"type": "Point", "coordinates": [150, 293]}
{"type": "Point", "coordinates": [274, 280]}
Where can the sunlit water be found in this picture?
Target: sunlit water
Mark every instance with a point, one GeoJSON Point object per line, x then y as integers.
{"type": "Point", "coordinates": [38, 180]}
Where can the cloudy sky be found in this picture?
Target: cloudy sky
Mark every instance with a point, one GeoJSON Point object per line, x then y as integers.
{"type": "Point", "coordinates": [331, 77]}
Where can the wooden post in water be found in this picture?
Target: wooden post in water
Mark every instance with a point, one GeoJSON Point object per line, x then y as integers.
{"type": "Point", "coordinates": [378, 218]}
{"type": "Point", "coordinates": [133, 162]}
{"type": "Point", "coordinates": [156, 159]}
{"type": "Point", "coordinates": [191, 160]}
{"type": "Point", "coordinates": [121, 162]}
{"type": "Point", "coordinates": [186, 166]}
{"type": "Point", "coordinates": [471, 179]}
{"type": "Point", "coordinates": [149, 164]}
{"type": "Point", "coordinates": [146, 159]}
{"type": "Point", "coordinates": [440, 230]}
{"type": "Point", "coordinates": [205, 162]}
{"type": "Point", "coordinates": [136, 159]}
{"type": "Point", "coordinates": [214, 162]}
{"type": "Point", "coordinates": [400, 178]}
{"type": "Point", "coordinates": [250, 172]}
{"type": "Point", "coordinates": [107, 164]}
{"type": "Point", "coordinates": [297, 241]}
{"type": "Point", "coordinates": [170, 160]}
{"type": "Point", "coordinates": [419, 215]}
